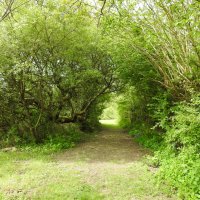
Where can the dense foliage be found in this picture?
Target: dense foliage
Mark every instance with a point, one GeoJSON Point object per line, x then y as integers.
{"type": "Point", "coordinates": [54, 69]}
{"type": "Point", "coordinates": [60, 60]}
{"type": "Point", "coordinates": [155, 44]}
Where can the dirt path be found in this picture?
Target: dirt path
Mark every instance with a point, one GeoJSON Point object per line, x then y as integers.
{"type": "Point", "coordinates": [110, 145]}
{"type": "Point", "coordinates": [111, 163]}
{"type": "Point", "coordinates": [108, 166]}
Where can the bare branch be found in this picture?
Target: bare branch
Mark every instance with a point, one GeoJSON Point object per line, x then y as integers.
{"type": "Point", "coordinates": [101, 12]}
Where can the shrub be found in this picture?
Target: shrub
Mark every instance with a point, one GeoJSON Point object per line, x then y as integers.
{"type": "Point", "coordinates": [59, 137]}
{"type": "Point", "coordinates": [65, 137]}
{"type": "Point", "coordinates": [179, 158]}
{"type": "Point", "coordinates": [147, 137]}
{"type": "Point", "coordinates": [175, 139]}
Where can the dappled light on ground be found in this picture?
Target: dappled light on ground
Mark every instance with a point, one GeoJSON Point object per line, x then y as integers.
{"type": "Point", "coordinates": [110, 145]}
{"type": "Point", "coordinates": [108, 166]}
{"type": "Point", "coordinates": [113, 164]}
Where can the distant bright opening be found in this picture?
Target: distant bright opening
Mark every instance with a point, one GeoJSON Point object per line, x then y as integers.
{"type": "Point", "coordinates": [110, 115]}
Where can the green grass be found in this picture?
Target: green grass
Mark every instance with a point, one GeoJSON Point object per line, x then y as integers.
{"type": "Point", "coordinates": [36, 176]}
{"type": "Point", "coordinates": [27, 175]}
{"type": "Point", "coordinates": [133, 181]}
{"type": "Point", "coordinates": [39, 173]}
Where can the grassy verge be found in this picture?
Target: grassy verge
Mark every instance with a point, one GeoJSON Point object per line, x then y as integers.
{"type": "Point", "coordinates": [38, 176]}
{"type": "Point", "coordinates": [35, 175]}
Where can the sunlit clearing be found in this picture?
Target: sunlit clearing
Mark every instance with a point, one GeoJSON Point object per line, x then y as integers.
{"type": "Point", "coordinates": [109, 122]}
{"type": "Point", "coordinates": [110, 115]}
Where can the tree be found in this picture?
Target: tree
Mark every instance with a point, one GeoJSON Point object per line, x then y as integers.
{"type": "Point", "coordinates": [166, 33]}
{"type": "Point", "coordinates": [56, 68]}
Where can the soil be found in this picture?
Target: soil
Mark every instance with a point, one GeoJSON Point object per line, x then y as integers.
{"type": "Point", "coordinates": [110, 145]}
{"type": "Point", "coordinates": [112, 162]}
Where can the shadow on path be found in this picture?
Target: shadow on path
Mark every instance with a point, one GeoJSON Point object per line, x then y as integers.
{"type": "Point", "coordinates": [110, 145]}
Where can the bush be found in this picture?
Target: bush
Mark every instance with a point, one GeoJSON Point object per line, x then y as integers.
{"type": "Point", "coordinates": [65, 139]}
{"type": "Point", "coordinates": [147, 137]}
{"type": "Point", "coordinates": [59, 137]}
{"type": "Point", "coordinates": [179, 157]}
{"type": "Point", "coordinates": [175, 139]}
{"type": "Point", "coordinates": [180, 172]}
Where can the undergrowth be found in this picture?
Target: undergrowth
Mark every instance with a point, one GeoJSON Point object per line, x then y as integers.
{"type": "Point", "coordinates": [176, 147]}
{"type": "Point", "coordinates": [58, 138]}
